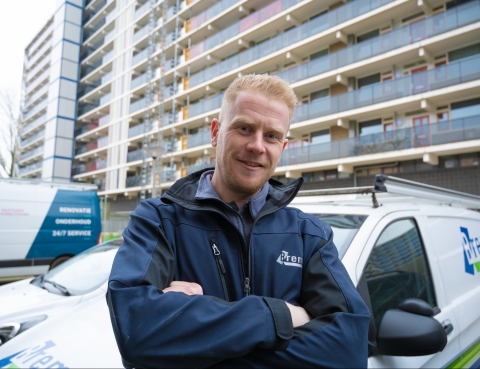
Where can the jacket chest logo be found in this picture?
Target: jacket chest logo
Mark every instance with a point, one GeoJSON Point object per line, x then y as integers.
{"type": "Point", "coordinates": [288, 260]}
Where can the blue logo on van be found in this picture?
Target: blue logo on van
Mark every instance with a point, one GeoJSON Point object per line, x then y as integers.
{"type": "Point", "coordinates": [471, 251]}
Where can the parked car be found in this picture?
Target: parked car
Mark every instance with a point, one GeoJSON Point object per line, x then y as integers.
{"type": "Point", "coordinates": [412, 250]}
{"type": "Point", "coordinates": [78, 281]}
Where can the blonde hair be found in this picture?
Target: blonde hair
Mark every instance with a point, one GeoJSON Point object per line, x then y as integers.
{"type": "Point", "coordinates": [272, 86]}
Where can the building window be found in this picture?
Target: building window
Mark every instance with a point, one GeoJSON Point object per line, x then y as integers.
{"type": "Point", "coordinates": [370, 127]}
{"type": "Point", "coordinates": [368, 35]}
{"type": "Point", "coordinates": [421, 131]}
{"type": "Point", "coordinates": [387, 85]}
{"type": "Point", "coordinates": [443, 121]}
{"type": "Point", "coordinates": [388, 131]}
{"type": "Point", "coordinates": [369, 80]}
{"type": "Point", "coordinates": [464, 52]}
{"type": "Point", "coordinates": [465, 109]}
{"type": "Point", "coordinates": [419, 80]}
{"type": "Point", "coordinates": [319, 94]}
{"type": "Point", "coordinates": [320, 137]}
{"type": "Point", "coordinates": [441, 70]}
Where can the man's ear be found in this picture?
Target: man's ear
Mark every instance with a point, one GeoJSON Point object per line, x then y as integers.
{"type": "Point", "coordinates": [285, 142]}
{"type": "Point", "coordinates": [215, 127]}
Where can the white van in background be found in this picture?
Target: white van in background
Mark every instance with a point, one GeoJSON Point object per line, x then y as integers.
{"type": "Point", "coordinates": [412, 250]}
{"type": "Point", "coordinates": [44, 223]}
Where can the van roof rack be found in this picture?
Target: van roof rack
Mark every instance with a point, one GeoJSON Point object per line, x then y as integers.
{"type": "Point", "coordinates": [398, 186]}
{"type": "Point", "coordinates": [78, 186]}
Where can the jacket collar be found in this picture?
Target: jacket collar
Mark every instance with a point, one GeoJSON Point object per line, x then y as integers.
{"type": "Point", "coordinates": [183, 192]}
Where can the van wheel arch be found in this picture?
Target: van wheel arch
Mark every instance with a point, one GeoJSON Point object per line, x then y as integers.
{"type": "Point", "coordinates": [59, 260]}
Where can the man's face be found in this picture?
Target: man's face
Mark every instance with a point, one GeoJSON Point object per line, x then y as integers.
{"type": "Point", "coordinates": [249, 143]}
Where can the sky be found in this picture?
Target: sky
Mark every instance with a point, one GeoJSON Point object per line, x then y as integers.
{"type": "Point", "coordinates": [20, 21]}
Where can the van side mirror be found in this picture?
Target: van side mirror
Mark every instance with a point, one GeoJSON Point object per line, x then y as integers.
{"type": "Point", "coordinates": [412, 332]}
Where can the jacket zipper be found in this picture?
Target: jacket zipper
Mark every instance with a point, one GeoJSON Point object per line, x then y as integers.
{"type": "Point", "coordinates": [221, 267]}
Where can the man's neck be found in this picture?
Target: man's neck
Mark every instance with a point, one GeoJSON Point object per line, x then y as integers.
{"type": "Point", "coordinates": [229, 196]}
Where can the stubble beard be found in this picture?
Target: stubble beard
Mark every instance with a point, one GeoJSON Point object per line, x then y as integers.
{"type": "Point", "coordinates": [233, 180]}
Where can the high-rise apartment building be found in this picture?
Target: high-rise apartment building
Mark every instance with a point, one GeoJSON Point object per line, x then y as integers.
{"type": "Point", "coordinates": [385, 86]}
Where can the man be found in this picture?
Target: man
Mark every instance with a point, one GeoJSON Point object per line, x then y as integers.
{"type": "Point", "coordinates": [219, 272]}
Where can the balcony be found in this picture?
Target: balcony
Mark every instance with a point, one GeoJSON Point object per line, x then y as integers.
{"type": "Point", "coordinates": [36, 95]}
{"type": "Point", "coordinates": [87, 33]}
{"type": "Point", "coordinates": [31, 73]}
{"type": "Point", "coordinates": [33, 111]}
{"type": "Point", "coordinates": [286, 39]}
{"type": "Point", "coordinates": [136, 181]}
{"type": "Point", "coordinates": [108, 37]}
{"type": "Point", "coordinates": [195, 168]}
{"type": "Point", "coordinates": [210, 13]}
{"type": "Point", "coordinates": [40, 40]}
{"type": "Point", "coordinates": [37, 122]}
{"type": "Point", "coordinates": [167, 175]}
{"type": "Point", "coordinates": [35, 58]}
{"type": "Point", "coordinates": [137, 155]}
{"type": "Point", "coordinates": [458, 72]}
{"type": "Point", "coordinates": [95, 11]}
{"type": "Point", "coordinates": [36, 136]}
{"type": "Point", "coordinates": [142, 55]}
{"type": "Point", "coordinates": [246, 23]}
{"type": "Point", "coordinates": [141, 104]}
{"type": "Point", "coordinates": [38, 81]}
{"type": "Point", "coordinates": [95, 104]}
{"type": "Point", "coordinates": [205, 105]}
{"type": "Point", "coordinates": [429, 27]}
{"type": "Point", "coordinates": [142, 32]}
{"type": "Point", "coordinates": [30, 168]}
{"type": "Point", "coordinates": [140, 11]}
{"type": "Point", "coordinates": [401, 139]}
{"type": "Point", "coordinates": [90, 167]}
{"type": "Point", "coordinates": [198, 139]}
{"type": "Point", "coordinates": [143, 78]}
{"type": "Point", "coordinates": [102, 142]}
{"type": "Point", "coordinates": [90, 68]}
{"type": "Point", "coordinates": [31, 153]}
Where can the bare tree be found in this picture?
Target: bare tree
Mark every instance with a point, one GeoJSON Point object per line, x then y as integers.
{"type": "Point", "coordinates": [9, 124]}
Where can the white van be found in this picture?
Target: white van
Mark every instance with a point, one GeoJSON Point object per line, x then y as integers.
{"type": "Point", "coordinates": [44, 223]}
{"type": "Point", "coordinates": [412, 250]}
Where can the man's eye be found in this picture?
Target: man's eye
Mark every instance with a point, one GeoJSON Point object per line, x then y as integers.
{"type": "Point", "coordinates": [271, 136]}
{"type": "Point", "coordinates": [244, 129]}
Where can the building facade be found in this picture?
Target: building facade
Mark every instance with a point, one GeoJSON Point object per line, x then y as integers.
{"type": "Point", "coordinates": [385, 86]}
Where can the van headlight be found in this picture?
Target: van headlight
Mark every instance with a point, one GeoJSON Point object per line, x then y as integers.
{"type": "Point", "coordinates": [12, 329]}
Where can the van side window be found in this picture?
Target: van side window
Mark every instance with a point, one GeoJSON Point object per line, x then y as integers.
{"type": "Point", "coordinates": [397, 269]}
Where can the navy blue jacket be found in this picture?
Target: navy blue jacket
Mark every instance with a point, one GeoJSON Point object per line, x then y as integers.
{"type": "Point", "coordinates": [241, 320]}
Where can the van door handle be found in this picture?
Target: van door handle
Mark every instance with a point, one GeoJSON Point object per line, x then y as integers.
{"type": "Point", "coordinates": [448, 328]}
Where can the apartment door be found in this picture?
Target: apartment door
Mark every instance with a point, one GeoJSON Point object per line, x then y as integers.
{"type": "Point", "coordinates": [419, 79]}
{"type": "Point", "coordinates": [421, 131]}
{"type": "Point", "coordinates": [418, 30]}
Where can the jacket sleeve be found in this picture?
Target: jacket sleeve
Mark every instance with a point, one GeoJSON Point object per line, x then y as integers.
{"type": "Point", "coordinates": [156, 329]}
{"type": "Point", "coordinates": [337, 335]}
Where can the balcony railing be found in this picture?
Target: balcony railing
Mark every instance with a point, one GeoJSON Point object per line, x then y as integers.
{"type": "Point", "coordinates": [102, 142]}
{"type": "Point", "coordinates": [141, 104]}
{"type": "Point", "coordinates": [142, 9]}
{"type": "Point", "coordinates": [90, 68]}
{"type": "Point", "coordinates": [30, 168]}
{"type": "Point", "coordinates": [44, 35]}
{"type": "Point", "coordinates": [87, 128]}
{"type": "Point", "coordinates": [210, 13]}
{"type": "Point", "coordinates": [248, 22]}
{"type": "Point", "coordinates": [37, 122]}
{"type": "Point", "coordinates": [201, 138]}
{"type": "Point", "coordinates": [143, 78]}
{"type": "Point", "coordinates": [99, 44]}
{"type": "Point", "coordinates": [89, 32]}
{"type": "Point", "coordinates": [90, 167]}
{"type": "Point", "coordinates": [36, 136]}
{"type": "Point", "coordinates": [39, 53]}
{"type": "Point", "coordinates": [136, 181]}
{"type": "Point", "coordinates": [31, 153]}
{"type": "Point", "coordinates": [458, 130]}
{"type": "Point", "coordinates": [195, 168]}
{"type": "Point", "coordinates": [95, 104]}
{"type": "Point", "coordinates": [38, 67]}
{"type": "Point", "coordinates": [137, 58]}
{"type": "Point", "coordinates": [41, 78]}
{"type": "Point", "coordinates": [36, 95]}
{"type": "Point", "coordinates": [445, 75]}
{"type": "Point", "coordinates": [139, 129]}
{"type": "Point", "coordinates": [167, 175]}
{"type": "Point", "coordinates": [94, 11]}
{"type": "Point", "coordinates": [313, 27]}
{"type": "Point", "coordinates": [143, 32]}
{"type": "Point", "coordinates": [432, 26]}
{"type": "Point", "coordinates": [205, 105]}
{"type": "Point", "coordinates": [137, 155]}
{"type": "Point", "coordinates": [41, 105]}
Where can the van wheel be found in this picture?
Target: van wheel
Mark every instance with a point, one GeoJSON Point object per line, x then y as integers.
{"type": "Point", "coordinates": [59, 261]}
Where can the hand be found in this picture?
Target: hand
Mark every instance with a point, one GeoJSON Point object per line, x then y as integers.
{"type": "Point", "coordinates": [299, 315]}
{"type": "Point", "coordinates": [187, 288]}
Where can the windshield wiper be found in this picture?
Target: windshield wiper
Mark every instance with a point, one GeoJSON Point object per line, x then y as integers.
{"type": "Point", "coordinates": [59, 287]}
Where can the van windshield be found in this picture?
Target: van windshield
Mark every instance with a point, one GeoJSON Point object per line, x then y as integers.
{"type": "Point", "coordinates": [83, 273]}
{"type": "Point", "coordinates": [345, 227]}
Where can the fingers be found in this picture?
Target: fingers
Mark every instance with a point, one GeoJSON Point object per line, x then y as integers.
{"type": "Point", "coordinates": [187, 288]}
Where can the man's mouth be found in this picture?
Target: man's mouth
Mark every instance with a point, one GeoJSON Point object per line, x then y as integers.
{"type": "Point", "coordinates": [251, 163]}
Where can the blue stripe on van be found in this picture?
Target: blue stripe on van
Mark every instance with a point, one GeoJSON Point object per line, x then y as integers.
{"type": "Point", "coordinates": [56, 238]}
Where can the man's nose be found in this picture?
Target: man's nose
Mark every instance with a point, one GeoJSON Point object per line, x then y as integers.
{"type": "Point", "coordinates": [256, 143]}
